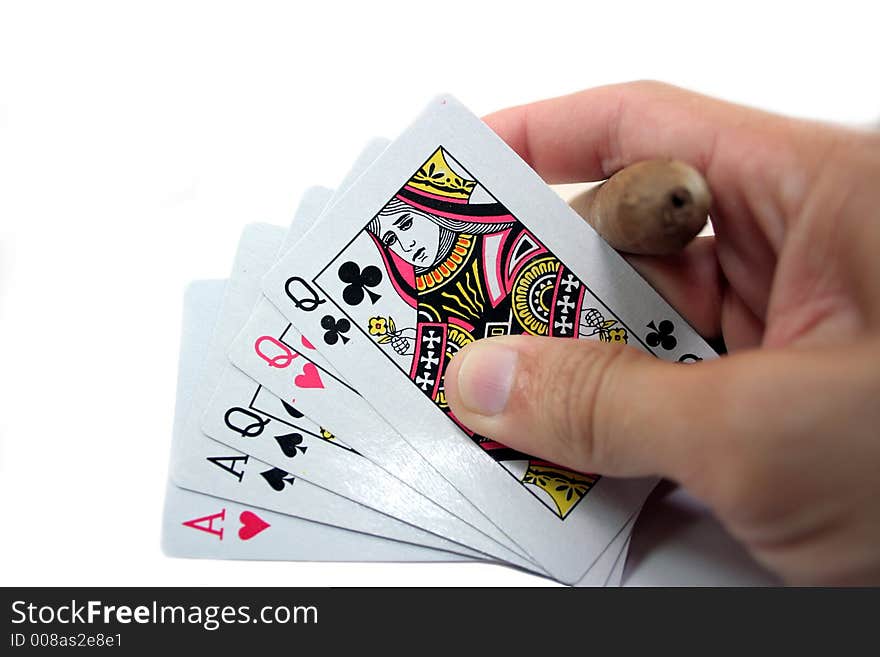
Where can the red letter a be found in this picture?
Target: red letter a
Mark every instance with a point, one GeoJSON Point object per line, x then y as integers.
{"type": "Point", "coordinates": [206, 523]}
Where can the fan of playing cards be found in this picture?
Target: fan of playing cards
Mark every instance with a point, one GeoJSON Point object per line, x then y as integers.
{"type": "Point", "coordinates": [312, 423]}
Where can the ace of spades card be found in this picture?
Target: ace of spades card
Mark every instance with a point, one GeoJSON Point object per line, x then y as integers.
{"type": "Point", "coordinates": [448, 238]}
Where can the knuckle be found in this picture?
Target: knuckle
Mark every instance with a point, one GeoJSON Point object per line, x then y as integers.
{"type": "Point", "coordinates": [578, 399]}
{"type": "Point", "coordinates": [648, 86]}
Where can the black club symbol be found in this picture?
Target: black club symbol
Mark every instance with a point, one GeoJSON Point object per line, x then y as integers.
{"type": "Point", "coordinates": [334, 329]}
{"type": "Point", "coordinates": [662, 335]}
{"type": "Point", "coordinates": [358, 282]}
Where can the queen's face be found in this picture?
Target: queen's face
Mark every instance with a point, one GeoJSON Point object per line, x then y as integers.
{"type": "Point", "coordinates": [413, 237]}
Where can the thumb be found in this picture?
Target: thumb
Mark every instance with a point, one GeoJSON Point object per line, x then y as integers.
{"type": "Point", "coordinates": [590, 406]}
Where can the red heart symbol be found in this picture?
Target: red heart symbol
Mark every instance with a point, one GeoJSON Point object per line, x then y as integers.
{"type": "Point", "coordinates": [309, 377]}
{"type": "Point", "coordinates": [306, 343]}
{"type": "Point", "coordinates": [251, 525]}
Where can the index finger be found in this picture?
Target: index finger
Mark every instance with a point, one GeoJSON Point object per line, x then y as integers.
{"type": "Point", "coordinates": [592, 134]}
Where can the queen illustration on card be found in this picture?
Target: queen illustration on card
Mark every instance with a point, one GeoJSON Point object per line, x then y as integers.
{"type": "Point", "coordinates": [442, 264]}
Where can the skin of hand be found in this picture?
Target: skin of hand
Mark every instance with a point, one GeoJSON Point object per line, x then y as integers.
{"type": "Point", "coordinates": [782, 436]}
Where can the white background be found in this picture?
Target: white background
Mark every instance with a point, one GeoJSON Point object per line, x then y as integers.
{"type": "Point", "coordinates": [137, 138]}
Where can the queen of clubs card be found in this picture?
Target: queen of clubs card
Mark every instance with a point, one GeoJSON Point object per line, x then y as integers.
{"type": "Point", "coordinates": [469, 269]}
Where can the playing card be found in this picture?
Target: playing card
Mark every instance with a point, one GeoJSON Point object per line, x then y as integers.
{"type": "Point", "coordinates": [251, 420]}
{"type": "Point", "coordinates": [447, 238]}
{"type": "Point", "coordinates": [200, 526]}
{"type": "Point", "coordinates": [201, 465]}
{"type": "Point", "coordinates": [604, 570]}
{"type": "Point", "coordinates": [360, 427]}
{"type": "Point", "coordinates": [243, 415]}
{"type": "Point", "coordinates": [615, 577]}
{"type": "Point", "coordinates": [197, 525]}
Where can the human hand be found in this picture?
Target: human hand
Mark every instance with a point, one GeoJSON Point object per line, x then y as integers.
{"type": "Point", "coordinates": [782, 437]}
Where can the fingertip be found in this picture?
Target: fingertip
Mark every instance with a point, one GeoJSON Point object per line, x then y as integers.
{"type": "Point", "coordinates": [485, 377]}
{"type": "Point", "coordinates": [480, 384]}
{"type": "Point", "coordinates": [509, 125]}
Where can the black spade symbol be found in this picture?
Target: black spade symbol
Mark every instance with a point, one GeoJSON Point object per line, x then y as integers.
{"type": "Point", "coordinates": [277, 478]}
{"type": "Point", "coordinates": [291, 444]}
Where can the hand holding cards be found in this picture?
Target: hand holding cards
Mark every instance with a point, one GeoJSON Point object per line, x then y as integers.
{"type": "Point", "coordinates": [446, 238]}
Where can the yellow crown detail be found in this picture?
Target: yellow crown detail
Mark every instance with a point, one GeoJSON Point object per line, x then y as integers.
{"type": "Point", "coordinates": [436, 177]}
{"type": "Point", "coordinates": [566, 487]}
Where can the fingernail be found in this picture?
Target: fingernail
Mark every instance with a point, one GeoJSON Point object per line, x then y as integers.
{"type": "Point", "coordinates": [485, 377]}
